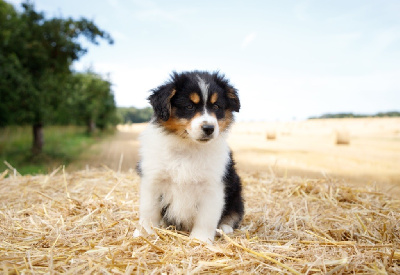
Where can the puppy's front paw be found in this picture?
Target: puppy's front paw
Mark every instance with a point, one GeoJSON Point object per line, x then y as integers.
{"type": "Point", "coordinates": [137, 233]}
{"type": "Point", "coordinates": [202, 237]}
{"type": "Point", "coordinates": [143, 230]}
{"type": "Point", "coordinates": [227, 229]}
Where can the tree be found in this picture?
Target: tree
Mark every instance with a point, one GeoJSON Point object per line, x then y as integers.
{"type": "Point", "coordinates": [15, 80]}
{"type": "Point", "coordinates": [91, 100]}
{"type": "Point", "coordinates": [36, 55]}
{"type": "Point", "coordinates": [134, 115]}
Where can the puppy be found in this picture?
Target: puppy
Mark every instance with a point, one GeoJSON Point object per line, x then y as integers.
{"type": "Point", "coordinates": [188, 176]}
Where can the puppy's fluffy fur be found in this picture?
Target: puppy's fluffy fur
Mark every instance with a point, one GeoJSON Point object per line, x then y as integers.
{"type": "Point", "coordinates": [188, 177]}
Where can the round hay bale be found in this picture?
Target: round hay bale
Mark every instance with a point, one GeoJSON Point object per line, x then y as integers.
{"type": "Point", "coordinates": [271, 135]}
{"type": "Point", "coordinates": [342, 137]}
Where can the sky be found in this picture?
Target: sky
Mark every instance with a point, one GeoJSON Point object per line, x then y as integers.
{"type": "Point", "coordinates": [288, 59]}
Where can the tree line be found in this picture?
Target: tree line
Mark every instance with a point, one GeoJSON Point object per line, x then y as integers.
{"type": "Point", "coordinates": [128, 115]}
{"type": "Point", "coordinates": [37, 84]}
{"type": "Point", "coordinates": [352, 115]}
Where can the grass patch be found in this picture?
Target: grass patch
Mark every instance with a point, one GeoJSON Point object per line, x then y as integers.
{"type": "Point", "coordinates": [62, 145]}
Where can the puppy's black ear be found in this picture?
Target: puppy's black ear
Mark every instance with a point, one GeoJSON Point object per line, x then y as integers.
{"type": "Point", "coordinates": [233, 99]}
{"type": "Point", "coordinates": [160, 100]}
{"type": "Point", "coordinates": [230, 91]}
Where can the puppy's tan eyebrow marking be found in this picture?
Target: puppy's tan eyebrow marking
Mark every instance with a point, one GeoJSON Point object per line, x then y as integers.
{"type": "Point", "coordinates": [195, 98]}
{"type": "Point", "coordinates": [214, 98]}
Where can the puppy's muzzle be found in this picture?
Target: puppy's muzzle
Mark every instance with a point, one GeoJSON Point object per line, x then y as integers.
{"type": "Point", "coordinates": [208, 129]}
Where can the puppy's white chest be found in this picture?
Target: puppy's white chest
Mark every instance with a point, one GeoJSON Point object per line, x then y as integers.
{"type": "Point", "coordinates": [184, 170]}
{"type": "Point", "coordinates": [183, 191]}
{"type": "Point", "coordinates": [196, 166]}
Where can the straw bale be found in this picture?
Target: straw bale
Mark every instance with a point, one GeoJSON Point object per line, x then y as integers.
{"type": "Point", "coordinates": [342, 137]}
{"type": "Point", "coordinates": [83, 223]}
{"type": "Point", "coordinates": [271, 134]}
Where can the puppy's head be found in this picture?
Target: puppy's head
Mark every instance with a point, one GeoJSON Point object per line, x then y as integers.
{"type": "Point", "coordinates": [196, 105]}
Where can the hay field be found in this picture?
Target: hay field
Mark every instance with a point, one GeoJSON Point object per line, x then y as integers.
{"type": "Point", "coordinates": [309, 149]}
{"type": "Point", "coordinates": [301, 148]}
{"type": "Point", "coordinates": [298, 219]}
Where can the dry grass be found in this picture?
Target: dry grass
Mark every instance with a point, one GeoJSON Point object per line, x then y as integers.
{"type": "Point", "coordinates": [83, 222]}
{"type": "Point", "coordinates": [302, 148]}
{"type": "Point", "coordinates": [308, 149]}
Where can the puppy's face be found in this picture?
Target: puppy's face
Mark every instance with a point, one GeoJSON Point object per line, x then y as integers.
{"type": "Point", "coordinates": [195, 105]}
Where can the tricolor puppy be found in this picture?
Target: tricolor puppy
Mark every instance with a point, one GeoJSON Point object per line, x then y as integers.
{"type": "Point", "coordinates": [188, 178]}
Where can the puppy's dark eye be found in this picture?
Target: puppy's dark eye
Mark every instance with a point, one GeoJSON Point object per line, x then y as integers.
{"type": "Point", "coordinates": [190, 107]}
{"type": "Point", "coordinates": [216, 107]}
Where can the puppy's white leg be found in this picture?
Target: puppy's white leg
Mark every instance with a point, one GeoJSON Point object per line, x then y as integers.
{"type": "Point", "coordinates": [226, 228]}
{"type": "Point", "coordinates": [209, 212]}
{"type": "Point", "coordinates": [228, 223]}
{"type": "Point", "coordinates": [150, 212]}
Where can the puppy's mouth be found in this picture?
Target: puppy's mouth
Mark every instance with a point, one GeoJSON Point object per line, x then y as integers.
{"type": "Point", "coordinates": [204, 140]}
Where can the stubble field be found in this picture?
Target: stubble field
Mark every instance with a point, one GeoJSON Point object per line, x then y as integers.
{"type": "Point", "coordinates": [303, 148]}
{"type": "Point", "coordinates": [312, 207]}
{"type": "Point", "coordinates": [309, 149]}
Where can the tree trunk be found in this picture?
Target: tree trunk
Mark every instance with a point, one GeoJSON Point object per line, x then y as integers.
{"type": "Point", "coordinates": [38, 139]}
{"type": "Point", "coordinates": [91, 126]}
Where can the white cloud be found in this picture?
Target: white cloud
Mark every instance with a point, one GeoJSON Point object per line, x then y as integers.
{"type": "Point", "coordinates": [114, 3]}
{"type": "Point", "coordinates": [385, 39]}
{"type": "Point", "coordinates": [150, 11]}
{"type": "Point", "coordinates": [344, 40]}
{"type": "Point", "coordinates": [300, 10]}
{"type": "Point", "coordinates": [132, 84]}
{"type": "Point", "coordinates": [119, 36]}
{"type": "Point", "coordinates": [248, 39]}
{"type": "Point", "coordinates": [285, 96]}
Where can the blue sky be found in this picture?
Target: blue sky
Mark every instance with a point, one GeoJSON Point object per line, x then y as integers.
{"type": "Point", "coordinates": [288, 59]}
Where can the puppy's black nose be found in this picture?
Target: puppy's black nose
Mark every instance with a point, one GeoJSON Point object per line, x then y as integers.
{"type": "Point", "coordinates": [208, 129]}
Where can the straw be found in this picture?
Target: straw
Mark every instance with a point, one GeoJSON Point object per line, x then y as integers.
{"type": "Point", "coordinates": [83, 223]}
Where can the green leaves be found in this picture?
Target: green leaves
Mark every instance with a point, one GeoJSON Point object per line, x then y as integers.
{"type": "Point", "coordinates": [36, 54]}
{"type": "Point", "coordinates": [90, 99]}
